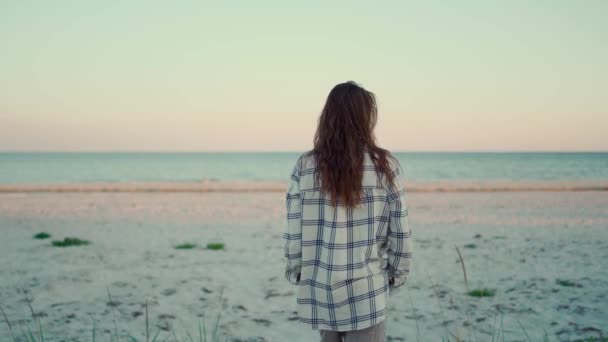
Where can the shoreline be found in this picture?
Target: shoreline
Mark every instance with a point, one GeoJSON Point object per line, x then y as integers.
{"type": "Point", "coordinates": [207, 186]}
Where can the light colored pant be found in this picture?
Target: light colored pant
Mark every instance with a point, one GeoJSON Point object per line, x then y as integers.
{"type": "Point", "coordinates": [374, 333]}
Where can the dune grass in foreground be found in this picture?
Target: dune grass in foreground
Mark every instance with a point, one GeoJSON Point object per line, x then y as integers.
{"type": "Point", "coordinates": [36, 333]}
{"type": "Point", "coordinates": [202, 334]}
{"type": "Point", "coordinates": [70, 242]}
{"type": "Point", "coordinates": [215, 246]}
{"type": "Point", "coordinates": [42, 236]}
{"type": "Point", "coordinates": [186, 245]}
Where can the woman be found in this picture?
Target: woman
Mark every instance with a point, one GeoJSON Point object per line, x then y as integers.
{"type": "Point", "coordinates": [347, 240]}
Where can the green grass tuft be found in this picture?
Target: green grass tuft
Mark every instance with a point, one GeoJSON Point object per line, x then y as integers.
{"type": "Point", "coordinates": [215, 246]}
{"type": "Point", "coordinates": [70, 242]}
{"type": "Point", "coordinates": [470, 245]}
{"type": "Point", "coordinates": [565, 282]}
{"type": "Point", "coordinates": [482, 292]}
{"type": "Point", "coordinates": [42, 235]}
{"type": "Point", "coordinates": [186, 245]}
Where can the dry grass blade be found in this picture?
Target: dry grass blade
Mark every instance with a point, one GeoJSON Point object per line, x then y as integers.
{"type": "Point", "coordinates": [524, 330]}
{"type": "Point", "coordinates": [10, 327]}
{"type": "Point", "coordinates": [34, 316]}
{"type": "Point", "coordinates": [112, 303]}
{"type": "Point", "coordinates": [464, 269]}
{"type": "Point", "coordinates": [147, 323]}
{"type": "Point", "coordinates": [415, 316]}
{"type": "Point", "coordinates": [94, 330]}
{"type": "Point", "coordinates": [466, 285]}
{"type": "Point", "coordinates": [434, 287]}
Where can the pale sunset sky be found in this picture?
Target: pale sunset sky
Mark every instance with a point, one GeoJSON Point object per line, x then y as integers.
{"type": "Point", "coordinates": [253, 75]}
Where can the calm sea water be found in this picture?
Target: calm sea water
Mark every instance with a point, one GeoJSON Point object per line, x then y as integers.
{"type": "Point", "coordinates": [114, 167]}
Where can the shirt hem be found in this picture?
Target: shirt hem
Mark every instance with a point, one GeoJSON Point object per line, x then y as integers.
{"type": "Point", "coordinates": [344, 327]}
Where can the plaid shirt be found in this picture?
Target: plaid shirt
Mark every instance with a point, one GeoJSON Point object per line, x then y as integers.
{"type": "Point", "coordinates": [345, 256]}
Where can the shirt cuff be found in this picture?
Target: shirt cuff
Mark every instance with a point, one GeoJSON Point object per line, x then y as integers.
{"type": "Point", "coordinates": [399, 282]}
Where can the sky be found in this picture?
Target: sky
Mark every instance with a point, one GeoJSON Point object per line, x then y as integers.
{"type": "Point", "coordinates": [254, 75]}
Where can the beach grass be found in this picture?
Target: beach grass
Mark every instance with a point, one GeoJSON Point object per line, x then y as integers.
{"type": "Point", "coordinates": [565, 282]}
{"type": "Point", "coordinates": [215, 246]}
{"type": "Point", "coordinates": [470, 245]}
{"type": "Point", "coordinates": [33, 331]}
{"type": "Point", "coordinates": [42, 236]}
{"type": "Point", "coordinates": [70, 242]}
{"type": "Point", "coordinates": [186, 245]}
{"type": "Point", "coordinates": [36, 332]}
{"type": "Point", "coordinates": [484, 292]}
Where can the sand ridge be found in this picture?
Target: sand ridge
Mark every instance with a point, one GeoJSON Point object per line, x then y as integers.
{"type": "Point", "coordinates": [269, 186]}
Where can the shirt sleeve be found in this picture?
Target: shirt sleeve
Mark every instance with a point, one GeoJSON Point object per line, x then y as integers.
{"type": "Point", "coordinates": [399, 234]}
{"type": "Point", "coordinates": [293, 233]}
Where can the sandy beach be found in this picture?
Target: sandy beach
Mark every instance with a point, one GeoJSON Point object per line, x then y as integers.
{"type": "Point", "coordinates": [148, 149]}
{"type": "Point", "coordinates": [542, 252]}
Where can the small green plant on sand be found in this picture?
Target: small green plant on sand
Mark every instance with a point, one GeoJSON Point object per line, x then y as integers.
{"type": "Point", "coordinates": [481, 293]}
{"type": "Point", "coordinates": [470, 245]}
{"type": "Point", "coordinates": [187, 245]}
{"type": "Point", "coordinates": [70, 242]}
{"type": "Point", "coordinates": [42, 235]}
{"type": "Point", "coordinates": [215, 246]}
{"type": "Point", "coordinates": [565, 282]}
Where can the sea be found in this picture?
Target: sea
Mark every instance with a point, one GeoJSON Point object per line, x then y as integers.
{"type": "Point", "coordinates": [88, 167]}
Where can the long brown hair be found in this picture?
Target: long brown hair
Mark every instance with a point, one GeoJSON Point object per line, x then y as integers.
{"type": "Point", "coordinates": [345, 131]}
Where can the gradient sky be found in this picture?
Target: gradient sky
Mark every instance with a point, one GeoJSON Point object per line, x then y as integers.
{"type": "Point", "coordinates": [253, 75]}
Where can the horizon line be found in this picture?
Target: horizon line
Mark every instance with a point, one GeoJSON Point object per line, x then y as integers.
{"type": "Point", "coordinates": [294, 151]}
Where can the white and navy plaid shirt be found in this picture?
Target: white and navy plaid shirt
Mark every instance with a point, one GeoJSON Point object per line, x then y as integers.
{"type": "Point", "coordinates": [345, 256]}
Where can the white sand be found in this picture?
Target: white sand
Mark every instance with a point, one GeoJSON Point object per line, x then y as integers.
{"type": "Point", "coordinates": [528, 240]}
